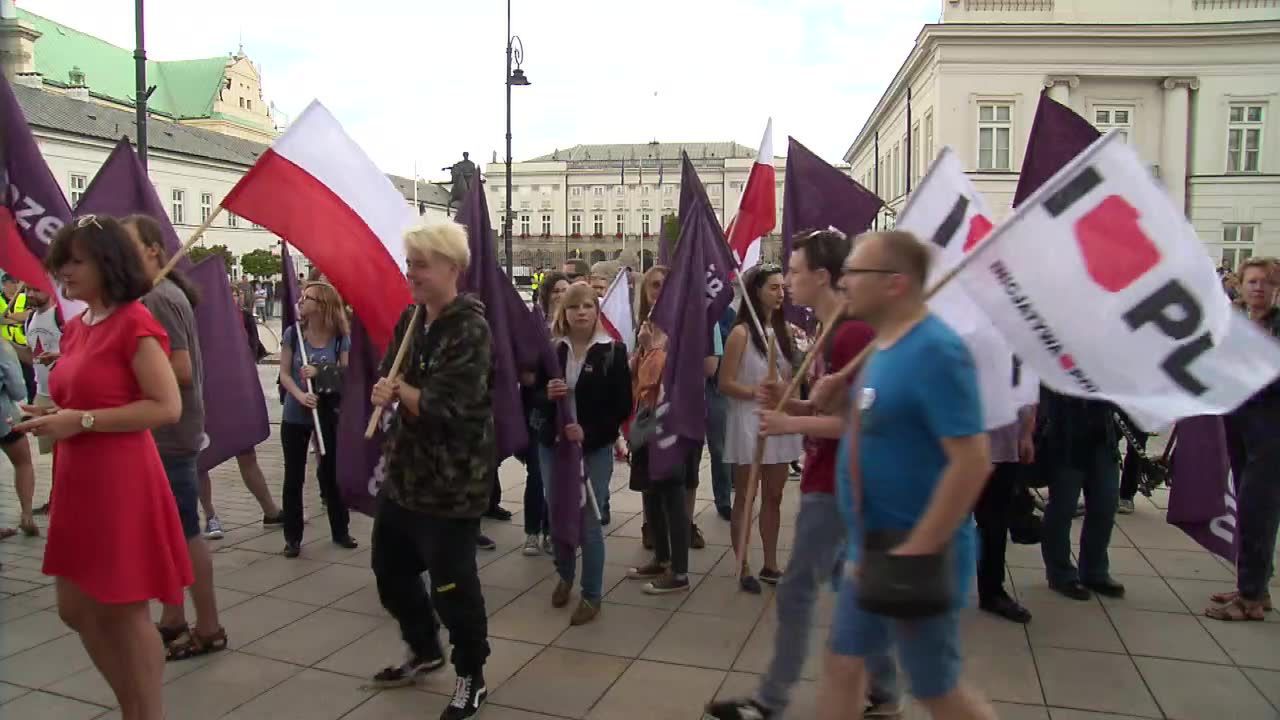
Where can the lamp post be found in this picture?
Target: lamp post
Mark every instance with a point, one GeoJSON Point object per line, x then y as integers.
{"type": "Point", "coordinates": [515, 52]}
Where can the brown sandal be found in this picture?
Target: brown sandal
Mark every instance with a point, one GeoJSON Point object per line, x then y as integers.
{"type": "Point", "coordinates": [1238, 610]}
{"type": "Point", "coordinates": [1224, 598]}
{"type": "Point", "coordinates": [169, 634]}
{"type": "Point", "coordinates": [192, 644]}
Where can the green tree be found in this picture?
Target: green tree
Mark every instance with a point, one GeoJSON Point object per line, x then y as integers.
{"type": "Point", "coordinates": [201, 252]}
{"type": "Point", "coordinates": [260, 264]}
{"type": "Point", "coordinates": [669, 234]}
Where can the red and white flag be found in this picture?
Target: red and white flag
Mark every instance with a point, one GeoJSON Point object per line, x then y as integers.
{"type": "Point", "coordinates": [615, 311]}
{"type": "Point", "coordinates": [758, 208]}
{"type": "Point", "coordinates": [317, 189]}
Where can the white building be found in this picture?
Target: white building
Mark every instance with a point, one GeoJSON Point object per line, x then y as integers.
{"type": "Point", "coordinates": [596, 201]}
{"type": "Point", "coordinates": [1194, 84]}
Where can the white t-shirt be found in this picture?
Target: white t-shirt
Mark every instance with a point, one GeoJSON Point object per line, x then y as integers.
{"type": "Point", "coordinates": [43, 335]}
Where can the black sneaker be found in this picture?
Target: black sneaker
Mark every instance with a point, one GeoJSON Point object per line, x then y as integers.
{"type": "Point", "coordinates": [604, 517]}
{"type": "Point", "coordinates": [292, 550]}
{"type": "Point", "coordinates": [273, 520]}
{"type": "Point", "coordinates": [407, 673]}
{"type": "Point", "coordinates": [468, 695]}
{"type": "Point", "coordinates": [347, 542]}
{"type": "Point", "coordinates": [738, 709]}
{"type": "Point", "coordinates": [749, 584]}
{"type": "Point", "coordinates": [498, 513]}
{"type": "Point", "coordinates": [484, 542]}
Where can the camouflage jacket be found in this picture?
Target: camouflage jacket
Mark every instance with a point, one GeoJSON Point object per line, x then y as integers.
{"type": "Point", "coordinates": [439, 462]}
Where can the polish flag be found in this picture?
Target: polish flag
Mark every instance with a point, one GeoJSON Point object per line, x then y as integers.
{"type": "Point", "coordinates": [317, 189]}
{"type": "Point", "coordinates": [758, 209]}
{"type": "Point", "coordinates": [615, 311]}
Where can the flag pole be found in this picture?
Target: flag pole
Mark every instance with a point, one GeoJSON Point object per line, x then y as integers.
{"type": "Point", "coordinates": [395, 368]}
{"type": "Point", "coordinates": [186, 247]}
{"type": "Point", "coordinates": [315, 412]}
{"type": "Point", "coordinates": [757, 462]}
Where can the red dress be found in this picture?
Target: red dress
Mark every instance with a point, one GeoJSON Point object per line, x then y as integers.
{"type": "Point", "coordinates": [114, 528]}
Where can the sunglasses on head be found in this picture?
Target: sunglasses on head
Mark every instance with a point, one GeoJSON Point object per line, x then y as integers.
{"type": "Point", "coordinates": [85, 221]}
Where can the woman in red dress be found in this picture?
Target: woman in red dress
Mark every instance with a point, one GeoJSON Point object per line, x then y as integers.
{"type": "Point", "coordinates": [114, 538]}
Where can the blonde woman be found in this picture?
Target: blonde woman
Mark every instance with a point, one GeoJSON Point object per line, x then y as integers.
{"type": "Point", "coordinates": [598, 382]}
{"type": "Point", "coordinates": [327, 342]}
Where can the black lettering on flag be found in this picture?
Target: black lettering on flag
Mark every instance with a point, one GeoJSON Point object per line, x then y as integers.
{"type": "Point", "coordinates": [1176, 364]}
{"type": "Point", "coordinates": [1177, 325]}
{"type": "Point", "coordinates": [1078, 187]}
{"type": "Point", "coordinates": [951, 223]}
{"type": "Point", "coordinates": [1016, 380]}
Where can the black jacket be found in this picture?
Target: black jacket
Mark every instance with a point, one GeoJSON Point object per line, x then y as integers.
{"type": "Point", "coordinates": [602, 397]}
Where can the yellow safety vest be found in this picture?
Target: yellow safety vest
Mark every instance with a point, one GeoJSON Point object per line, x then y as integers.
{"type": "Point", "coordinates": [535, 281]}
{"type": "Point", "coordinates": [14, 333]}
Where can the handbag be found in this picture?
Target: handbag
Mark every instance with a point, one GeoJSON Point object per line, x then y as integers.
{"type": "Point", "coordinates": [643, 427]}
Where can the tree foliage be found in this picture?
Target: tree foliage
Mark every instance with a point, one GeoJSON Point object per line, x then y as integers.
{"type": "Point", "coordinates": [201, 252]}
{"type": "Point", "coordinates": [260, 263]}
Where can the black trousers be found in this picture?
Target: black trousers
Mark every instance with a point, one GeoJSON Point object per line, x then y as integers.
{"type": "Point", "coordinates": [669, 524]}
{"type": "Point", "coordinates": [407, 544]}
{"type": "Point", "coordinates": [295, 438]}
{"type": "Point", "coordinates": [495, 495]}
{"type": "Point", "coordinates": [992, 514]}
{"type": "Point", "coordinates": [1129, 470]}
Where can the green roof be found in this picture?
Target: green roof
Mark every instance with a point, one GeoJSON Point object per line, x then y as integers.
{"type": "Point", "coordinates": [185, 89]}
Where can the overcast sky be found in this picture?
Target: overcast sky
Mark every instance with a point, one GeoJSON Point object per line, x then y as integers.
{"type": "Point", "coordinates": [422, 80]}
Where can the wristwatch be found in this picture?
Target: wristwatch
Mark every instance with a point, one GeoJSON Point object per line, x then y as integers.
{"type": "Point", "coordinates": [86, 421]}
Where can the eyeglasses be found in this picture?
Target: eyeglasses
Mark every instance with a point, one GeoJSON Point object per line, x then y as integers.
{"type": "Point", "coordinates": [870, 271]}
{"type": "Point", "coordinates": [315, 300]}
{"type": "Point", "coordinates": [85, 221]}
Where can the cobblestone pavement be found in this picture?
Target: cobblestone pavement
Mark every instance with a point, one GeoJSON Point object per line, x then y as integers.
{"type": "Point", "coordinates": [306, 633]}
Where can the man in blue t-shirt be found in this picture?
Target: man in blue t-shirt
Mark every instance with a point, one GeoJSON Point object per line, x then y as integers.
{"type": "Point", "coordinates": [922, 459]}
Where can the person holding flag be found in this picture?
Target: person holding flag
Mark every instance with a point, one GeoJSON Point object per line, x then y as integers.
{"type": "Point", "coordinates": [744, 368]}
{"type": "Point", "coordinates": [598, 381]}
{"type": "Point", "coordinates": [439, 456]}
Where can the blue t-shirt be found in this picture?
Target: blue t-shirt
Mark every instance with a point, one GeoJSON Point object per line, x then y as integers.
{"type": "Point", "coordinates": [293, 410]}
{"type": "Point", "coordinates": [922, 389]}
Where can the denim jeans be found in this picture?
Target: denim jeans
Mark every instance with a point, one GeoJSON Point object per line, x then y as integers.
{"type": "Point", "coordinates": [721, 473]}
{"type": "Point", "coordinates": [1258, 503]}
{"type": "Point", "coordinates": [1098, 474]}
{"type": "Point", "coordinates": [537, 521]}
{"type": "Point", "coordinates": [599, 466]}
{"type": "Point", "coordinates": [819, 538]}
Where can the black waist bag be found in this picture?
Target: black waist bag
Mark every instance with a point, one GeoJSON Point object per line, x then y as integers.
{"type": "Point", "coordinates": [906, 587]}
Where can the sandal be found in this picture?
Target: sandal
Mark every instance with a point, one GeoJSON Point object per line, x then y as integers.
{"type": "Point", "coordinates": [29, 528]}
{"type": "Point", "coordinates": [1238, 610]}
{"type": "Point", "coordinates": [192, 644]}
{"type": "Point", "coordinates": [1224, 598]}
{"type": "Point", "coordinates": [169, 634]}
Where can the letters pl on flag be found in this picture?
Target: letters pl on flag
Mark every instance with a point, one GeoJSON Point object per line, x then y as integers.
{"type": "Point", "coordinates": [1102, 287]}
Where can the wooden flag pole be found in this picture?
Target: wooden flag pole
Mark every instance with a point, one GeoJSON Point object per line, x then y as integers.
{"type": "Point", "coordinates": [395, 368]}
{"type": "Point", "coordinates": [186, 247]}
{"type": "Point", "coordinates": [757, 461]}
{"type": "Point", "coordinates": [315, 413]}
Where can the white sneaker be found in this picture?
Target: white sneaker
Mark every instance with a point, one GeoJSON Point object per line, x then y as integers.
{"type": "Point", "coordinates": [213, 529]}
{"type": "Point", "coordinates": [531, 546]}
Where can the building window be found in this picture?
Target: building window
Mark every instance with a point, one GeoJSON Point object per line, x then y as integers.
{"type": "Point", "coordinates": [206, 207]}
{"type": "Point", "coordinates": [1237, 239]}
{"type": "Point", "coordinates": [597, 224]}
{"type": "Point", "coordinates": [546, 225]}
{"type": "Point", "coordinates": [597, 191]}
{"type": "Point", "coordinates": [575, 225]}
{"type": "Point", "coordinates": [644, 189]}
{"type": "Point", "coordinates": [620, 191]}
{"type": "Point", "coordinates": [1114, 118]}
{"type": "Point", "coordinates": [525, 204]}
{"type": "Point", "coordinates": [622, 224]}
{"type": "Point", "coordinates": [995, 128]}
{"type": "Point", "coordinates": [248, 104]}
{"type": "Point", "coordinates": [735, 185]}
{"type": "Point", "coordinates": [917, 154]}
{"type": "Point", "coordinates": [78, 184]}
{"type": "Point", "coordinates": [524, 224]}
{"type": "Point", "coordinates": [644, 223]}
{"type": "Point", "coordinates": [669, 190]}
{"type": "Point", "coordinates": [1237, 233]}
{"type": "Point", "coordinates": [928, 139]}
{"type": "Point", "coordinates": [575, 192]}
{"type": "Point", "coordinates": [1244, 139]}
{"type": "Point", "coordinates": [232, 220]}
{"type": "Point", "coordinates": [241, 103]}
{"type": "Point", "coordinates": [179, 207]}
{"type": "Point", "coordinates": [896, 178]}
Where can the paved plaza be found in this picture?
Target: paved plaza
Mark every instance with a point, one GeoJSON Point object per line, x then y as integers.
{"type": "Point", "coordinates": [306, 633]}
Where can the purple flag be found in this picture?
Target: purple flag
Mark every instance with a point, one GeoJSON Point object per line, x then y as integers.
{"type": "Point", "coordinates": [568, 476]}
{"type": "Point", "coordinates": [235, 409]}
{"type": "Point", "coordinates": [1202, 486]}
{"type": "Point", "coordinates": [360, 461]}
{"type": "Point", "coordinates": [1057, 136]}
{"type": "Point", "coordinates": [289, 292]}
{"type": "Point", "coordinates": [817, 196]}
{"type": "Point", "coordinates": [699, 278]}
{"type": "Point", "coordinates": [32, 206]}
{"type": "Point", "coordinates": [487, 281]}
{"type": "Point", "coordinates": [121, 187]}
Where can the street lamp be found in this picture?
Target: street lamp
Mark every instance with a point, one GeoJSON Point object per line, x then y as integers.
{"type": "Point", "coordinates": [515, 52]}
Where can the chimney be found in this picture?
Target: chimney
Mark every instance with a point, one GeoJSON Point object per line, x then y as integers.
{"type": "Point", "coordinates": [77, 87]}
{"type": "Point", "coordinates": [17, 43]}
